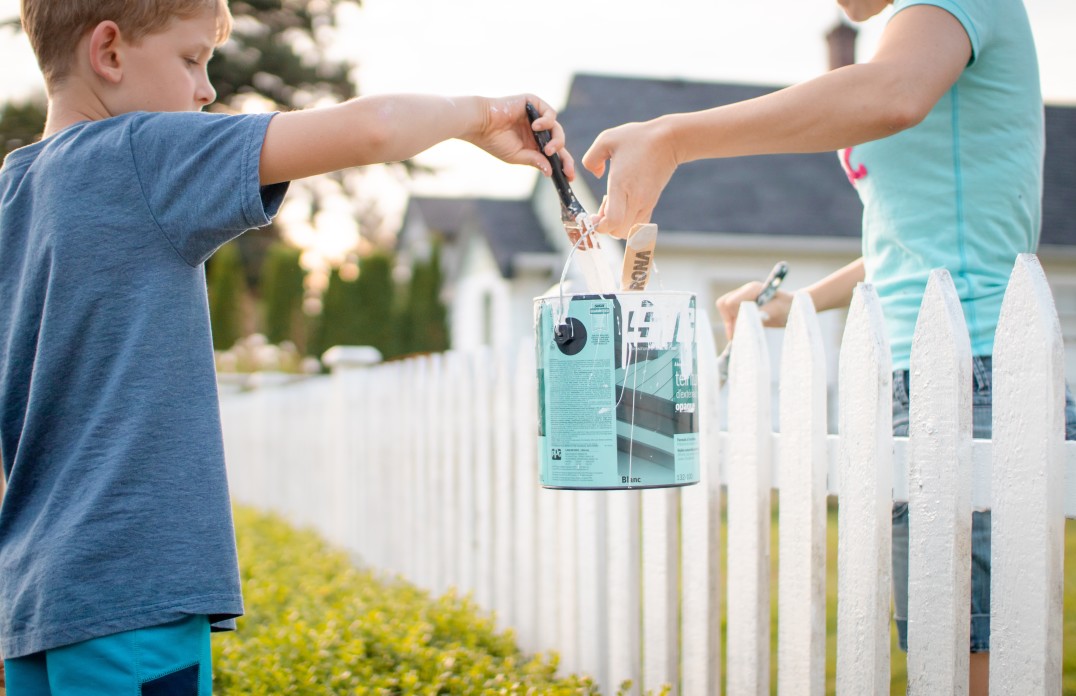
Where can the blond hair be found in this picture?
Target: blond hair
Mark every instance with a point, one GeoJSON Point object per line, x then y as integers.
{"type": "Point", "coordinates": [55, 27]}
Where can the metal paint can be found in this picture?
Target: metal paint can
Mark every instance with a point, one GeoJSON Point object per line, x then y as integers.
{"type": "Point", "coordinates": [617, 390]}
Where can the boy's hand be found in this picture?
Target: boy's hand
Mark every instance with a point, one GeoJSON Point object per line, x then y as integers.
{"type": "Point", "coordinates": [505, 132]}
{"type": "Point", "coordinates": [641, 162]}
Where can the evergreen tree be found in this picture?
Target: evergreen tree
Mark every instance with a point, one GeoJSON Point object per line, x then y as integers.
{"type": "Point", "coordinates": [359, 312]}
{"type": "Point", "coordinates": [282, 296]}
{"type": "Point", "coordinates": [226, 296]}
{"type": "Point", "coordinates": [21, 123]}
{"type": "Point", "coordinates": [375, 304]}
{"type": "Point", "coordinates": [329, 329]}
{"type": "Point", "coordinates": [423, 318]}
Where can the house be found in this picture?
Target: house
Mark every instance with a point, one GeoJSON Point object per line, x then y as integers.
{"type": "Point", "coordinates": [722, 222]}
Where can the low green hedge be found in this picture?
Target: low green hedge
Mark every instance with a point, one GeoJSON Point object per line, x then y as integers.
{"type": "Point", "coordinates": [316, 624]}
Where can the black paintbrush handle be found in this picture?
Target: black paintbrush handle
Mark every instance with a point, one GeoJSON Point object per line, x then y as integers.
{"type": "Point", "coordinates": [560, 181]}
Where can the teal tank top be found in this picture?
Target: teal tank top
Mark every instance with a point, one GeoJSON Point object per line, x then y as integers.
{"type": "Point", "coordinates": [963, 189]}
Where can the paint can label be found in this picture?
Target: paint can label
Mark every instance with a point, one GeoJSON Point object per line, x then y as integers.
{"type": "Point", "coordinates": [617, 391]}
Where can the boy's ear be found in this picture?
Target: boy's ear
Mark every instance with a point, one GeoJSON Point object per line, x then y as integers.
{"type": "Point", "coordinates": [105, 43]}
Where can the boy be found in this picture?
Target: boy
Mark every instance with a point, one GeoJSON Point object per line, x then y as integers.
{"type": "Point", "coordinates": [117, 552]}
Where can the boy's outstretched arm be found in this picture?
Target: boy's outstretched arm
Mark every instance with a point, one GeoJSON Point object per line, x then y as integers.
{"type": "Point", "coordinates": [391, 128]}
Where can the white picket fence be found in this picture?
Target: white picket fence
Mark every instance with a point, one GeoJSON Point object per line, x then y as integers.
{"type": "Point", "coordinates": [427, 468]}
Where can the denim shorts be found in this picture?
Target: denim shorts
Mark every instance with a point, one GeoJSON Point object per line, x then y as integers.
{"type": "Point", "coordinates": [980, 529]}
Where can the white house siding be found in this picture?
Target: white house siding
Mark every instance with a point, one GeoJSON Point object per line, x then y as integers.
{"type": "Point", "coordinates": [479, 309]}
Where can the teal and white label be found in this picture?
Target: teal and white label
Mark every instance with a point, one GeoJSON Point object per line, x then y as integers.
{"type": "Point", "coordinates": [618, 391]}
{"type": "Point", "coordinates": [578, 446]}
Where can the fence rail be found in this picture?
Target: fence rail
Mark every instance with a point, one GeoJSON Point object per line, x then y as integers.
{"type": "Point", "coordinates": [427, 468]}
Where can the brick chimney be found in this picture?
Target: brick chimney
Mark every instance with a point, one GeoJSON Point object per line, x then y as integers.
{"type": "Point", "coordinates": [842, 45]}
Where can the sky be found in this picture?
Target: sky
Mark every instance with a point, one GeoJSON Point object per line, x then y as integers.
{"type": "Point", "coordinates": [496, 47]}
{"type": "Point", "coordinates": [500, 47]}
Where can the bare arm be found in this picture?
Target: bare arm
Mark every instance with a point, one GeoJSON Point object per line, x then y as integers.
{"type": "Point", "coordinates": [835, 290]}
{"type": "Point", "coordinates": [832, 292]}
{"type": "Point", "coordinates": [922, 53]}
{"type": "Point", "coordinates": [390, 128]}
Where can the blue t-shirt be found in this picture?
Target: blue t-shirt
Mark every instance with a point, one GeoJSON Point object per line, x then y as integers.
{"type": "Point", "coordinates": [117, 513]}
{"type": "Point", "coordinates": [963, 189]}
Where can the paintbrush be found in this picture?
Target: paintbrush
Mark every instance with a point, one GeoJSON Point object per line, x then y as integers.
{"type": "Point", "coordinates": [577, 224]}
{"type": "Point", "coordinates": [769, 289]}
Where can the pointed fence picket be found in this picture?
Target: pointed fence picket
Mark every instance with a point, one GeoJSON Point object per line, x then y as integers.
{"type": "Point", "coordinates": [939, 497]}
{"type": "Point", "coordinates": [700, 547]}
{"type": "Point", "coordinates": [426, 468]}
{"type": "Point", "coordinates": [749, 485]}
{"type": "Point", "coordinates": [801, 603]}
{"type": "Point", "coordinates": [660, 587]}
{"type": "Point", "coordinates": [524, 501]}
{"type": "Point", "coordinates": [864, 519]}
{"type": "Point", "coordinates": [1028, 479]}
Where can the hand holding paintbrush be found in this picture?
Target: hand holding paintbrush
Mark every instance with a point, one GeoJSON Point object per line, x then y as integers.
{"type": "Point", "coordinates": [577, 223]}
{"type": "Point", "coordinates": [729, 306]}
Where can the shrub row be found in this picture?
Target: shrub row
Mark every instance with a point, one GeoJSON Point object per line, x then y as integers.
{"type": "Point", "coordinates": [317, 624]}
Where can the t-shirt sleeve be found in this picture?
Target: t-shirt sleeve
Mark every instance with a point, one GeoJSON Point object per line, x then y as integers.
{"type": "Point", "coordinates": [974, 15]}
{"type": "Point", "coordinates": [199, 175]}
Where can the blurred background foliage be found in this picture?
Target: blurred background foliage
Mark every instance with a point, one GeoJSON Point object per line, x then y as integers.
{"type": "Point", "coordinates": [279, 58]}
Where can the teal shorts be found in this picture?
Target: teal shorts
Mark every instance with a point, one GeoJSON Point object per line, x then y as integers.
{"type": "Point", "coordinates": [172, 659]}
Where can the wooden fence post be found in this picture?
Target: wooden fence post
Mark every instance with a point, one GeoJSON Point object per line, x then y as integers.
{"type": "Point", "coordinates": [525, 478]}
{"type": "Point", "coordinates": [565, 588]}
{"type": "Point", "coordinates": [503, 490]}
{"type": "Point", "coordinates": [700, 538]}
{"type": "Point", "coordinates": [592, 583]}
{"type": "Point", "coordinates": [864, 522]}
{"type": "Point", "coordinates": [396, 466]}
{"type": "Point", "coordinates": [660, 588]}
{"type": "Point", "coordinates": [482, 425]}
{"type": "Point", "coordinates": [1028, 522]}
{"type": "Point", "coordinates": [409, 463]}
{"type": "Point", "coordinates": [463, 423]}
{"type": "Point", "coordinates": [435, 456]}
{"type": "Point", "coordinates": [939, 494]}
{"type": "Point", "coordinates": [624, 591]}
{"type": "Point", "coordinates": [390, 517]}
{"type": "Point", "coordinates": [426, 498]}
{"type": "Point", "coordinates": [453, 440]}
{"type": "Point", "coordinates": [801, 645]}
{"type": "Point", "coordinates": [749, 481]}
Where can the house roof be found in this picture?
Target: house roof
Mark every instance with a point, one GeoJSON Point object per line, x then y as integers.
{"type": "Point", "coordinates": [799, 195]}
{"type": "Point", "coordinates": [785, 195]}
{"type": "Point", "coordinates": [1059, 177]}
{"type": "Point", "coordinates": [445, 215]}
{"type": "Point", "coordinates": [510, 227]}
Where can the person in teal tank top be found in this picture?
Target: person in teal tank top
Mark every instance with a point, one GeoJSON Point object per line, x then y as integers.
{"type": "Point", "coordinates": [941, 132]}
{"type": "Point", "coordinates": [962, 190]}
